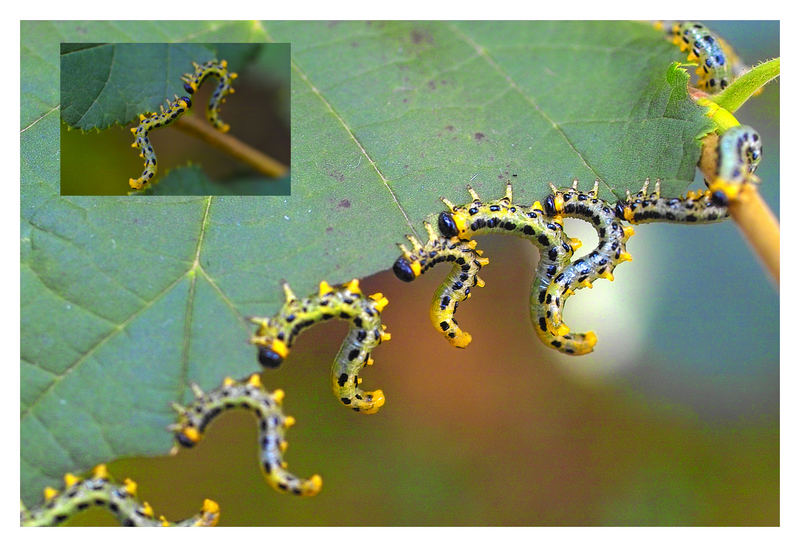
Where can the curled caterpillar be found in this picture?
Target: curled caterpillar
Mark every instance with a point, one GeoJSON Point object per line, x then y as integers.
{"type": "Point", "coordinates": [738, 155]}
{"type": "Point", "coordinates": [275, 336]}
{"type": "Point", "coordinates": [142, 139]}
{"type": "Point", "coordinates": [212, 68]}
{"type": "Point", "coordinates": [175, 109]}
{"type": "Point", "coordinates": [718, 64]}
{"type": "Point", "coordinates": [557, 278]}
{"type": "Point", "coordinates": [120, 499]}
{"type": "Point", "coordinates": [250, 394]}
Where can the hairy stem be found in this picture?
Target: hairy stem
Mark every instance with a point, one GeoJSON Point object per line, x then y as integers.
{"type": "Point", "coordinates": [232, 146]}
{"type": "Point", "coordinates": [746, 85]}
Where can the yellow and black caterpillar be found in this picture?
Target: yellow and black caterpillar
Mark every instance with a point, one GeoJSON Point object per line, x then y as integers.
{"type": "Point", "coordinates": [175, 109]}
{"type": "Point", "coordinates": [557, 278]}
{"type": "Point", "coordinates": [718, 63]}
{"type": "Point", "coordinates": [99, 490]}
{"type": "Point", "coordinates": [250, 394]}
{"type": "Point", "coordinates": [275, 336]}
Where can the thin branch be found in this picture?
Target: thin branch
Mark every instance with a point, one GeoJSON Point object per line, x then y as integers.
{"type": "Point", "coordinates": [232, 146]}
{"type": "Point", "coordinates": [760, 227]}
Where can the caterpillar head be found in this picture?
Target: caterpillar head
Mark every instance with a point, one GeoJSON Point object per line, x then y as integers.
{"type": "Point", "coordinates": [268, 357]}
{"type": "Point", "coordinates": [447, 225]}
{"type": "Point", "coordinates": [404, 270]}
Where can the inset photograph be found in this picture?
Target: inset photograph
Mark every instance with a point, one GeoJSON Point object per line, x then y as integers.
{"type": "Point", "coordinates": [175, 119]}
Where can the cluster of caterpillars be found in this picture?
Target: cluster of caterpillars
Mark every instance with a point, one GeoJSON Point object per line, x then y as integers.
{"type": "Point", "coordinates": [175, 109]}
{"type": "Point", "coordinates": [557, 276]}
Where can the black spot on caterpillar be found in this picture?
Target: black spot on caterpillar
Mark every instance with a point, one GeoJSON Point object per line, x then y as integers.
{"type": "Point", "coordinates": [176, 109]}
{"type": "Point", "coordinates": [275, 335]}
{"type": "Point", "coordinates": [557, 278]}
{"type": "Point", "coordinates": [120, 499]}
{"type": "Point", "coordinates": [250, 394]}
{"type": "Point", "coordinates": [718, 63]}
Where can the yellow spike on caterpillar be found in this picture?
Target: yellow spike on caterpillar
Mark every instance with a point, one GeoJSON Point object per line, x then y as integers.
{"type": "Point", "coordinates": [100, 490]}
{"type": "Point", "coordinates": [250, 394]}
{"type": "Point", "coordinates": [275, 335]}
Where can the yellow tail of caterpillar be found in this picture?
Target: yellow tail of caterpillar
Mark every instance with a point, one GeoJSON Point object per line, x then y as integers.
{"type": "Point", "coordinates": [99, 490]}
{"type": "Point", "coordinates": [250, 394]}
{"type": "Point", "coordinates": [275, 335]}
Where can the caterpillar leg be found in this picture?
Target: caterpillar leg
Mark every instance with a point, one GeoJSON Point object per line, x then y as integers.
{"type": "Point", "coordinates": [275, 335]}
{"type": "Point", "coordinates": [273, 424]}
{"type": "Point", "coordinates": [120, 499]}
{"type": "Point", "coordinates": [456, 288]}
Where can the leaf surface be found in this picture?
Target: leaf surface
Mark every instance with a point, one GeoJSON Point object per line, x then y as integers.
{"type": "Point", "coordinates": [126, 300]}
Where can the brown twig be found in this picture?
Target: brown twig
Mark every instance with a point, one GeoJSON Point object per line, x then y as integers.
{"type": "Point", "coordinates": [760, 227]}
{"type": "Point", "coordinates": [232, 146]}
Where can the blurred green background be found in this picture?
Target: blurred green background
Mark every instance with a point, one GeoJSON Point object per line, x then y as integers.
{"type": "Point", "coordinates": [258, 114]}
{"type": "Point", "coordinates": [673, 420]}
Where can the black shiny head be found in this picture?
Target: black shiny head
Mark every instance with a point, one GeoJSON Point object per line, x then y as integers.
{"type": "Point", "coordinates": [269, 358]}
{"type": "Point", "coordinates": [183, 440]}
{"type": "Point", "coordinates": [188, 101]}
{"type": "Point", "coordinates": [619, 210]}
{"type": "Point", "coordinates": [402, 269]}
{"type": "Point", "coordinates": [188, 88]}
{"type": "Point", "coordinates": [550, 205]}
{"type": "Point", "coordinates": [447, 225]}
{"type": "Point", "coordinates": [719, 198]}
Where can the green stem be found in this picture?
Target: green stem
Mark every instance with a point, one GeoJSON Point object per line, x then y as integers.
{"type": "Point", "coordinates": [747, 84]}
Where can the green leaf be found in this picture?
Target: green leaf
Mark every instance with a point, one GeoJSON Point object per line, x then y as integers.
{"type": "Point", "coordinates": [191, 180]}
{"type": "Point", "coordinates": [125, 300]}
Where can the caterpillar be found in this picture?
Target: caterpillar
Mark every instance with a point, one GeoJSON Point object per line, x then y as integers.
{"type": "Point", "coordinates": [120, 499]}
{"type": "Point", "coordinates": [251, 394]}
{"type": "Point", "coordinates": [175, 109]}
{"type": "Point", "coordinates": [142, 141]}
{"type": "Point", "coordinates": [718, 63]}
{"type": "Point", "coordinates": [557, 277]}
{"type": "Point", "coordinates": [739, 152]}
{"type": "Point", "coordinates": [275, 335]}
{"type": "Point", "coordinates": [212, 68]}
